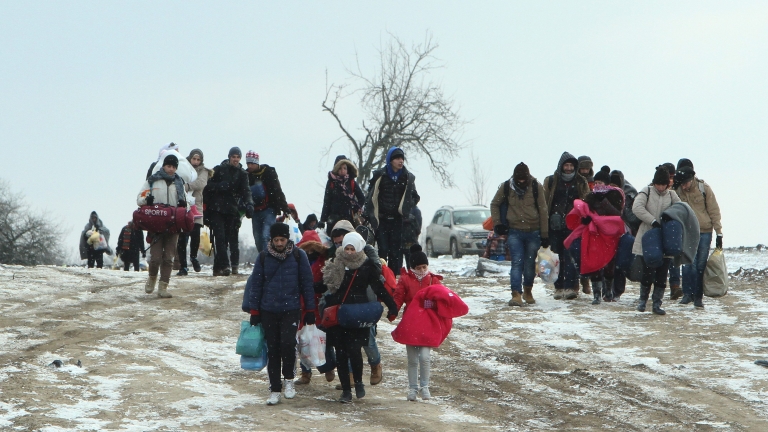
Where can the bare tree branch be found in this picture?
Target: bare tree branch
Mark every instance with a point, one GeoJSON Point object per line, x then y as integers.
{"type": "Point", "coordinates": [478, 182]}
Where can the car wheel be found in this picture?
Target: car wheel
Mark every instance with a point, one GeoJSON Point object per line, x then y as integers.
{"type": "Point", "coordinates": [431, 249]}
{"type": "Point", "coordinates": [455, 249]}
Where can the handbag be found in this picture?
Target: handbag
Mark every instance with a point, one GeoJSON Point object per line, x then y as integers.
{"type": "Point", "coordinates": [330, 316]}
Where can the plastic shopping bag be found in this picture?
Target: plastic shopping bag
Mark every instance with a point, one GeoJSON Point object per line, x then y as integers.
{"type": "Point", "coordinates": [255, 363]}
{"type": "Point", "coordinates": [716, 275]}
{"type": "Point", "coordinates": [311, 346]}
{"type": "Point", "coordinates": [205, 244]}
{"type": "Point", "coordinates": [250, 342]}
{"type": "Point", "coordinates": [293, 230]}
{"type": "Point", "coordinates": [93, 238]}
{"type": "Point", "coordinates": [324, 237]}
{"type": "Point", "coordinates": [102, 245]}
{"type": "Point", "coordinates": [548, 266]}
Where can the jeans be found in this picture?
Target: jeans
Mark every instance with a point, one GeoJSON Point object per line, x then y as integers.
{"type": "Point", "coordinates": [389, 238]}
{"type": "Point", "coordinates": [372, 350]}
{"type": "Point", "coordinates": [261, 222]}
{"type": "Point", "coordinates": [522, 250]}
{"type": "Point", "coordinates": [418, 358]}
{"type": "Point", "coordinates": [674, 274]}
{"type": "Point", "coordinates": [193, 238]}
{"type": "Point", "coordinates": [693, 274]}
{"type": "Point", "coordinates": [280, 334]}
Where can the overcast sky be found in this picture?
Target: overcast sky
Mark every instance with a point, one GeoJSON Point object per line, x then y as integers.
{"type": "Point", "coordinates": [90, 90]}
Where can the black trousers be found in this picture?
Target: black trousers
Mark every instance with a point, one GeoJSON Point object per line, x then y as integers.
{"type": "Point", "coordinates": [657, 276]}
{"type": "Point", "coordinates": [225, 234]}
{"type": "Point", "coordinates": [130, 257]}
{"type": "Point", "coordinates": [349, 351]}
{"type": "Point", "coordinates": [389, 239]}
{"type": "Point", "coordinates": [96, 257]}
{"type": "Point", "coordinates": [280, 333]}
{"type": "Point", "coordinates": [193, 238]}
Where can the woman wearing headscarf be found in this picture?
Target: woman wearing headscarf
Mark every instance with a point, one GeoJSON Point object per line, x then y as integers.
{"type": "Point", "coordinates": [347, 278]}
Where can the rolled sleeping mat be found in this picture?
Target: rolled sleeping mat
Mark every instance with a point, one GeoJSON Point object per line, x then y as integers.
{"type": "Point", "coordinates": [672, 237]}
{"type": "Point", "coordinates": [624, 255]}
{"type": "Point", "coordinates": [653, 251]}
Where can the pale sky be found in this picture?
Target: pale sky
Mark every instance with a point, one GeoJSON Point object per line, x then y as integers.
{"type": "Point", "coordinates": [90, 90]}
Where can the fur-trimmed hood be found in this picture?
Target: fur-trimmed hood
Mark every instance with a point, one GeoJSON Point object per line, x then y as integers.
{"type": "Point", "coordinates": [351, 168]}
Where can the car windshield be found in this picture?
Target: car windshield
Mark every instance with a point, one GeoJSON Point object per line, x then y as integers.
{"type": "Point", "coordinates": [470, 217]}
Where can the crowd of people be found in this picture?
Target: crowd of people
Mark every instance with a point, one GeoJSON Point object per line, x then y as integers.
{"type": "Point", "coordinates": [597, 223]}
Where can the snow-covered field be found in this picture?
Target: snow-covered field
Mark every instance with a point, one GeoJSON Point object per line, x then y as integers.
{"type": "Point", "coordinates": [151, 364]}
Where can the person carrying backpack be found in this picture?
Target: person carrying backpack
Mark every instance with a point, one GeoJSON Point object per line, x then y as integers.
{"type": "Point", "coordinates": [267, 196]}
{"type": "Point", "coordinates": [519, 211]}
{"type": "Point", "coordinates": [343, 198]}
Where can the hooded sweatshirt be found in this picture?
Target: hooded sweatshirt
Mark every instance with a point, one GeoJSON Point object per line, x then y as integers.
{"type": "Point", "coordinates": [560, 190]}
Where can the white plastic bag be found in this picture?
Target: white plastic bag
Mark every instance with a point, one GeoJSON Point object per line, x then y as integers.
{"type": "Point", "coordinates": [324, 237]}
{"type": "Point", "coordinates": [293, 229]}
{"type": "Point", "coordinates": [311, 346]}
{"type": "Point", "coordinates": [548, 266]}
{"type": "Point", "coordinates": [185, 169]}
{"type": "Point", "coordinates": [102, 245]}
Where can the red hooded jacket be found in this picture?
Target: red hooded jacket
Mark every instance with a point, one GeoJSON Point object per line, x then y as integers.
{"type": "Point", "coordinates": [429, 327]}
{"type": "Point", "coordinates": [409, 285]}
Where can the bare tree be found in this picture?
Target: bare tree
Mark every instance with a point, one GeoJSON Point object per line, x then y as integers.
{"type": "Point", "coordinates": [26, 238]}
{"type": "Point", "coordinates": [402, 107]}
{"type": "Point", "coordinates": [478, 182]}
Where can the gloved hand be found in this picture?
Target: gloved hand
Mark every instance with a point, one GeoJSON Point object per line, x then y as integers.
{"type": "Point", "coordinates": [181, 203]}
{"type": "Point", "coordinates": [719, 241]}
{"type": "Point", "coordinates": [586, 220]}
{"type": "Point", "coordinates": [309, 318]}
{"type": "Point", "coordinates": [655, 224]}
{"type": "Point", "coordinates": [255, 320]}
{"type": "Point", "coordinates": [249, 212]}
{"type": "Point", "coordinates": [501, 229]}
{"type": "Point", "coordinates": [545, 242]}
{"type": "Point", "coordinates": [143, 254]}
{"type": "Point", "coordinates": [150, 199]}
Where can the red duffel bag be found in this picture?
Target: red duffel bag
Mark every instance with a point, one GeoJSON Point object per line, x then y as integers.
{"type": "Point", "coordinates": [160, 218]}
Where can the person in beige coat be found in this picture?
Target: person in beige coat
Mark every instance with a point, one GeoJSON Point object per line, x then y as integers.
{"type": "Point", "coordinates": [649, 204]}
{"type": "Point", "coordinates": [195, 158]}
{"type": "Point", "coordinates": [162, 187]}
{"type": "Point", "coordinates": [699, 195]}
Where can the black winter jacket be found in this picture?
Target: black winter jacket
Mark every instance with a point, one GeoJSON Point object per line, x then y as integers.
{"type": "Point", "coordinates": [130, 242]}
{"type": "Point", "coordinates": [227, 189]}
{"type": "Point", "coordinates": [275, 196]}
{"type": "Point", "coordinates": [336, 205]}
{"type": "Point", "coordinates": [367, 274]}
{"type": "Point", "coordinates": [389, 198]}
{"type": "Point", "coordinates": [277, 286]}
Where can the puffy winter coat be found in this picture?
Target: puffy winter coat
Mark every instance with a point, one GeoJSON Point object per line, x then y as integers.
{"type": "Point", "coordinates": [336, 204]}
{"type": "Point", "coordinates": [649, 205]}
{"type": "Point", "coordinates": [523, 213]}
{"type": "Point", "coordinates": [275, 197]}
{"type": "Point", "coordinates": [559, 193]}
{"type": "Point", "coordinates": [409, 285]}
{"type": "Point", "coordinates": [707, 209]}
{"type": "Point", "coordinates": [226, 189]}
{"type": "Point", "coordinates": [277, 285]}
{"type": "Point", "coordinates": [387, 197]}
{"type": "Point", "coordinates": [429, 327]}
{"type": "Point", "coordinates": [162, 192]}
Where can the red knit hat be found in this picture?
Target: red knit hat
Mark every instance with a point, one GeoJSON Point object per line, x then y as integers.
{"type": "Point", "coordinates": [252, 157]}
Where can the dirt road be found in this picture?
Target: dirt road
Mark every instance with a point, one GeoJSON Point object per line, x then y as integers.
{"type": "Point", "coordinates": [151, 364]}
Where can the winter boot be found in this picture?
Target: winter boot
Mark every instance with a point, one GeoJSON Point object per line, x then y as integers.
{"type": "Point", "coordinates": [376, 374]}
{"type": "Point", "coordinates": [528, 295]}
{"type": "Point", "coordinates": [346, 397]}
{"type": "Point", "coordinates": [558, 294]}
{"type": "Point", "coordinates": [608, 291]}
{"type": "Point", "coordinates": [305, 378]}
{"type": "Point", "coordinates": [645, 291]}
{"type": "Point", "coordinates": [217, 272]}
{"type": "Point", "coordinates": [235, 270]}
{"type": "Point", "coordinates": [687, 298]}
{"type": "Point", "coordinates": [226, 271]}
{"type": "Point", "coordinates": [359, 390]}
{"type": "Point", "coordinates": [274, 398]}
{"type": "Point", "coordinates": [150, 285]}
{"type": "Point", "coordinates": [182, 272]}
{"type": "Point", "coordinates": [330, 375]}
{"type": "Point", "coordinates": [571, 294]}
{"type": "Point", "coordinates": [195, 264]}
{"type": "Point", "coordinates": [675, 292]}
{"type": "Point", "coordinates": [658, 294]}
{"type": "Point", "coordinates": [351, 380]}
{"type": "Point", "coordinates": [425, 393]}
{"type": "Point", "coordinates": [597, 292]}
{"type": "Point", "coordinates": [698, 301]}
{"type": "Point", "coordinates": [288, 389]}
{"type": "Point", "coordinates": [517, 299]}
{"type": "Point", "coordinates": [162, 290]}
{"type": "Point", "coordinates": [585, 286]}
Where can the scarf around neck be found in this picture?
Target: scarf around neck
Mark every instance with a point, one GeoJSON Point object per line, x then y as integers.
{"type": "Point", "coordinates": [333, 272]}
{"type": "Point", "coordinates": [161, 175]}
{"type": "Point", "coordinates": [344, 184]}
{"type": "Point", "coordinates": [280, 255]}
{"type": "Point", "coordinates": [420, 274]}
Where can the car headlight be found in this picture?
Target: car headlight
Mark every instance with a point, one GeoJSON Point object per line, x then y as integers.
{"type": "Point", "coordinates": [465, 234]}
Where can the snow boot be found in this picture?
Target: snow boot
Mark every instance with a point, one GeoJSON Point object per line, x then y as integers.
{"type": "Point", "coordinates": [517, 299]}
{"type": "Point", "coordinates": [558, 294]}
{"type": "Point", "coordinates": [305, 378]}
{"type": "Point", "coordinates": [195, 264]}
{"type": "Point", "coordinates": [675, 292]}
{"type": "Point", "coordinates": [687, 298]}
{"type": "Point", "coordinates": [359, 390]}
{"type": "Point", "coordinates": [182, 272]}
{"type": "Point", "coordinates": [162, 290]}
{"type": "Point", "coordinates": [376, 374]}
{"type": "Point", "coordinates": [150, 285]}
{"type": "Point", "coordinates": [608, 291]}
{"type": "Point", "coordinates": [571, 294]}
{"type": "Point", "coordinates": [597, 292]}
{"type": "Point", "coordinates": [425, 393]}
{"type": "Point", "coordinates": [585, 286]}
{"type": "Point", "coordinates": [658, 294]}
{"type": "Point", "coordinates": [235, 270]}
{"type": "Point", "coordinates": [645, 291]}
{"type": "Point", "coordinates": [346, 397]}
{"type": "Point", "coordinates": [698, 301]}
{"type": "Point", "coordinates": [288, 389]}
{"type": "Point", "coordinates": [528, 295]}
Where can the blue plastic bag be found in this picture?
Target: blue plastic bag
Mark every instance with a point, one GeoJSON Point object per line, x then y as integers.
{"type": "Point", "coordinates": [672, 236]}
{"type": "Point", "coordinates": [653, 253]}
{"type": "Point", "coordinates": [255, 363]}
{"type": "Point", "coordinates": [251, 340]}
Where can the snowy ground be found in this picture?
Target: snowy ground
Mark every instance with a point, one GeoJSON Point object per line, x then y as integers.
{"type": "Point", "coordinates": [150, 364]}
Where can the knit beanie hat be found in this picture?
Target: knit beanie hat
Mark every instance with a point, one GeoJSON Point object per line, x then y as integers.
{"type": "Point", "coordinates": [684, 162]}
{"type": "Point", "coordinates": [338, 158]}
{"type": "Point", "coordinates": [417, 256]}
{"type": "Point", "coordinates": [617, 178]}
{"type": "Point", "coordinates": [195, 152]}
{"type": "Point", "coordinates": [684, 174]}
{"type": "Point", "coordinates": [670, 168]}
{"type": "Point", "coordinates": [235, 151]}
{"type": "Point", "coordinates": [171, 160]}
{"type": "Point", "coordinates": [252, 157]}
{"type": "Point", "coordinates": [398, 153]}
{"type": "Point", "coordinates": [662, 176]}
{"type": "Point", "coordinates": [604, 175]}
{"type": "Point", "coordinates": [521, 172]}
{"type": "Point", "coordinates": [585, 162]}
{"type": "Point", "coordinates": [279, 229]}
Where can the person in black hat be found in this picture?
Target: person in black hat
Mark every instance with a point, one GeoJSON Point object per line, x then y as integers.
{"type": "Point", "coordinates": [225, 194]}
{"type": "Point", "coordinates": [699, 195]}
{"type": "Point", "coordinates": [391, 195]}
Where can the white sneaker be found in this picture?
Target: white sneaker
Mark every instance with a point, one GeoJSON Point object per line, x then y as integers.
{"type": "Point", "coordinates": [412, 394]}
{"type": "Point", "coordinates": [425, 393]}
{"type": "Point", "coordinates": [289, 389]}
{"type": "Point", "coordinates": [274, 398]}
